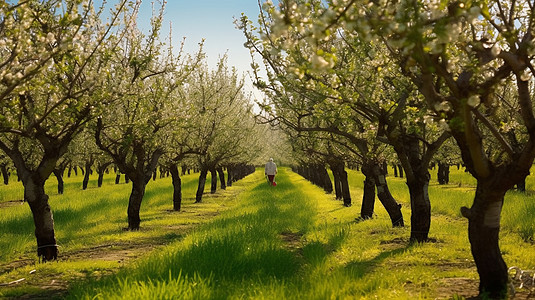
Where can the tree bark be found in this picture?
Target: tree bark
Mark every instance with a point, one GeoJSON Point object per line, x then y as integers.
{"type": "Point", "coordinates": [483, 233]}
{"type": "Point", "coordinates": [420, 208]}
{"type": "Point", "coordinates": [346, 195]}
{"type": "Point", "coordinates": [88, 164]}
{"type": "Point", "coordinates": [368, 198]}
{"type": "Point", "coordinates": [393, 209]}
{"type": "Point", "coordinates": [337, 183]}
{"type": "Point", "coordinates": [521, 185]}
{"type": "Point", "coordinates": [213, 186]}
{"type": "Point", "coordinates": [230, 175]}
{"type": "Point", "coordinates": [443, 174]}
{"type": "Point", "coordinates": [117, 178]}
{"type": "Point", "coordinates": [221, 174]}
{"type": "Point", "coordinates": [200, 187]}
{"type": "Point", "coordinates": [59, 176]}
{"type": "Point", "coordinates": [326, 180]}
{"type": "Point", "coordinates": [5, 174]}
{"type": "Point", "coordinates": [134, 204]}
{"type": "Point", "coordinates": [34, 194]}
{"type": "Point", "coordinates": [177, 187]}
{"type": "Point", "coordinates": [100, 170]}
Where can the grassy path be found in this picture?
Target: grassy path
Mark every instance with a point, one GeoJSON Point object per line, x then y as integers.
{"type": "Point", "coordinates": [291, 241]}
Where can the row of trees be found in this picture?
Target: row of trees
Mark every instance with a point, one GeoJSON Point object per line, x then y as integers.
{"type": "Point", "coordinates": [83, 83]}
{"type": "Point", "coordinates": [352, 79]}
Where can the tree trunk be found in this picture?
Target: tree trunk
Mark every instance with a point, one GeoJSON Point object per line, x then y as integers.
{"type": "Point", "coordinates": [337, 183]}
{"type": "Point", "coordinates": [200, 187]}
{"type": "Point", "coordinates": [75, 169]}
{"type": "Point", "coordinates": [443, 174]}
{"type": "Point", "coordinates": [483, 233]}
{"type": "Point", "coordinates": [420, 208]}
{"type": "Point", "coordinates": [117, 178]}
{"type": "Point", "coordinates": [521, 185]}
{"type": "Point", "coordinates": [395, 170]}
{"type": "Point", "coordinates": [387, 200]}
{"type": "Point", "coordinates": [229, 175]}
{"type": "Point", "coordinates": [368, 198]}
{"type": "Point", "coordinates": [34, 194]}
{"type": "Point", "coordinates": [177, 187]}
{"type": "Point", "coordinates": [326, 180]}
{"type": "Point", "coordinates": [213, 186]}
{"type": "Point", "coordinates": [5, 174]}
{"type": "Point", "coordinates": [126, 179]}
{"type": "Point", "coordinates": [59, 176]}
{"type": "Point", "coordinates": [221, 174]}
{"type": "Point", "coordinates": [346, 195]}
{"type": "Point", "coordinates": [88, 165]}
{"type": "Point", "coordinates": [100, 170]}
{"type": "Point", "coordinates": [134, 204]}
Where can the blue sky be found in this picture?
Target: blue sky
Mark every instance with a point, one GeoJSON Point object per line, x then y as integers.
{"type": "Point", "coordinates": [211, 20]}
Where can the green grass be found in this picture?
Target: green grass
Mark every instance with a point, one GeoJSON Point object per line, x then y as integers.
{"type": "Point", "coordinates": [89, 228]}
{"type": "Point", "coordinates": [254, 241]}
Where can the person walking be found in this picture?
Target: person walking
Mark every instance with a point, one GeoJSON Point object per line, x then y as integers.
{"type": "Point", "coordinates": [271, 171]}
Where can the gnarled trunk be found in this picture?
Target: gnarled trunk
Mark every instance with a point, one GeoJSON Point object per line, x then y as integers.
{"type": "Point", "coordinates": [368, 198]}
{"type": "Point", "coordinates": [393, 209]}
{"type": "Point", "coordinates": [420, 207]}
{"type": "Point", "coordinates": [337, 183]}
{"type": "Point", "coordinates": [213, 186]}
{"type": "Point", "coordinates": [346, 195]}
{"type": "Point", "coordinates": [5, 174]}
{"type": "Point", "coordinates": [221, 178]}
{"type": "Point", "coordinates": [59, 176]}
{"type": "Point", "coordinates": [483, 233]}
{"type": "Point", "coordinates": [230, 176]}
{"type": "Point", "coordinates": [443, 174]}
{"type": "Point", "coordinates": [200, 187]}
{"type": "Point", "coordinates": [340, 174]}
{"type": "Point", "coordinates": [100, 170]}
{"type": "Point", "coordinates": [88, 164]}
{"type": "Point", "coordinates": [177, 187]}
{"type": "Point", "coordinates": [34, 194]}
{"type": "Point", "coordinates": [326, 180]}
{"type": "Point", "coordinates": [134, 204]}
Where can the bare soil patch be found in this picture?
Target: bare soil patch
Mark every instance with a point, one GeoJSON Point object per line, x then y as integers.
{"type": "Point", "coordinates": [11, 203]}
{"type": "Point", "coordinates": [292, 240]}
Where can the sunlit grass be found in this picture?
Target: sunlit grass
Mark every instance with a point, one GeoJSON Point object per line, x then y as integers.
{"type": "Point", "coordinates": [90, 224]}
{"type": "Point", "coordinates": [295, 242]}
{"type": "Point", "coordinates": [291, 241]}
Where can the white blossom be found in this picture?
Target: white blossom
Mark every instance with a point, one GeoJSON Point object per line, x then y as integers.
{"type": "Point", "coordinates": [473, 101]}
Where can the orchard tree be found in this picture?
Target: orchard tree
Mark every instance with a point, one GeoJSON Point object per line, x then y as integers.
{"type": "Point", "coordinates": [181, 146]}
{"type": "Point", "coordinates": [52, 54]}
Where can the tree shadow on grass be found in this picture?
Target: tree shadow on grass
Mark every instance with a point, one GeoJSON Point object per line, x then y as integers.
{"type": "Point", "coordinates": [359, 269]}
